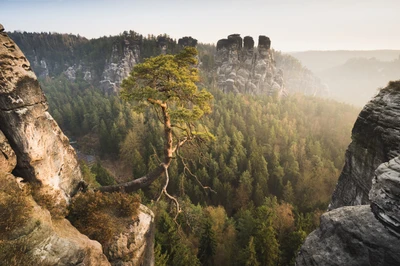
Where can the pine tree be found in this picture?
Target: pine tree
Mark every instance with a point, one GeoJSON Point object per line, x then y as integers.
{"type": "Point", "coordinates": [208, 244]}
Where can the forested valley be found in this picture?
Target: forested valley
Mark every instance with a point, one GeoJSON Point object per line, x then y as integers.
{"type": "Point", "coordinates": [248, 198]}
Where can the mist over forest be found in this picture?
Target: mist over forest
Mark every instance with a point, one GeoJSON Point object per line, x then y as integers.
{"type": "Point", "coordinates": [353, 76]}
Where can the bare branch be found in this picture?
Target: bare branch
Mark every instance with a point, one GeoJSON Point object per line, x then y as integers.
{"type": "Point", "coordinates": [180, 144]}
{"type": "Point", "coordinates": [186, 169]}
{"type": "Point", "coordinates": [165, 192]}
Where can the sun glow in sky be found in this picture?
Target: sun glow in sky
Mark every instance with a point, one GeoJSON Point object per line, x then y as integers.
{"type": "Point", "coordinates": [292, 25]}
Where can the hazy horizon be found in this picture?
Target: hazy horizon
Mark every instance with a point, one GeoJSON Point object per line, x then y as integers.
{"type": "Point", "coordinates": [292, 26]}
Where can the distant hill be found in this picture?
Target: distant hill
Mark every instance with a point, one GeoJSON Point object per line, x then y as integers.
{"type": "Point", "coordinates": [318, 61]}
{"type": "Point", "coordinates": [353, 76]}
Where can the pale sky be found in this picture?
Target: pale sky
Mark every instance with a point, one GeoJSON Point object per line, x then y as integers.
{"type": "Point", "coordinates": [292, 25]}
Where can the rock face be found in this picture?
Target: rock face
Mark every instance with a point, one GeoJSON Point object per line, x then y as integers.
{"type": "Point", "coordinates": [135, 245]}
{"type": "Point", "coordinates": [33, 147]}
{"type": "Point", "coordinates": [385, 195]}
{"type": "Point", "coordinates": [43, 151]}
{"type": "Point", "coordinates": [53, 242]}
{"type": "Point", "coordinates": [245, 69]}
{"type": "Point", "coordinates": [350, 236]}
{"type": "Point", "coordinates": [364, 234]}
{"type": "Point", "coordinates": [375, 139]}
{"type": "Point", "coordinates": [117, 68]}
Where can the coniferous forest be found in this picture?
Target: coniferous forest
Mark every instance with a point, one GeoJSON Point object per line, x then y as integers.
{"type": "Point", "coordinates": [257, 190]}
{"type": "Point", "coordinates": [248, 197]}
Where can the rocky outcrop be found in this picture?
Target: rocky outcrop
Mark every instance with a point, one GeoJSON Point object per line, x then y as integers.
{"type": "Point", "coordinates": [350, 236]}
{"type": "Point", "coordinates": [33, 147]}
{"type": "Point", "coordinates": [187, 41]}
{"type": "Point", "coordinates": [375, 140]}
{"type": "Point", "coordinates": [43, 239]}
{"type": "Point", "coordinates": [43, 151]}
{"type": "Point", "coordinates": [242, 68]}
{"type": "Point", "coordinates": [135, 245]}
{"type": "Point", "coordinates": [364, 234]}
{"type": "Point", "coordinates": [385, 195]}
{"type": "Point", "coordinates": [117, 68]}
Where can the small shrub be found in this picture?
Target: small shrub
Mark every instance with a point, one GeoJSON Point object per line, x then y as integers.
{"type": "Point", "coordinates": [50, 199]}
{"type": "Point", "coordinates": [101, 216]}
{"type": "Point", "coordinates": [15, 207]}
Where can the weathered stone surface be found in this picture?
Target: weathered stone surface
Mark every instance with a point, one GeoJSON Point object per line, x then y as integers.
{"type": "Point", "coordinates": [350, 236]}
{"type": "Point", "coordinates": [54, 241]}
{"type": "Point", "coordinates": [43, 151]}
{"type": "Point", "coordinates": [18, 84]}
{"type": "Point", "coordinates": [8, 160]}
{"type": "Point", "coordinates": [385, 195]}
{"type": "Point", "coordinates": [375, 140]}
{"type": "Point", "coordinates": [135, 245]}
{"type": "Point", "coordinates": [1, 28]}
{"type": "Point", "coordinates": [355, 235]}
{"type": "Point", "coordinates": [245, 69]}
{"type": "Point", "coordinates": [118, 68]}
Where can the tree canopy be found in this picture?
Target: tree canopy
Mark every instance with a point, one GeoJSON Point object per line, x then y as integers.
{"type": "Point", "coordinates": [167, 83]}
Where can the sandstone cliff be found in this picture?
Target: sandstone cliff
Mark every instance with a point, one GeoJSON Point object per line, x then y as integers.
{"type": "Point", "coordinates": [366, 234]}
{"type": "Point", "coordinates": [242, 68]}
{"type": "Point", "coordinates": [375, 139]}
{"type": "Point", "coordinates": [34, 150]}
{"type": "Point", "coordinates": [43, 151]}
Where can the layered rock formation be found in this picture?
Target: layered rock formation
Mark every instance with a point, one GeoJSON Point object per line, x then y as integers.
{"type": "Point", "coordinates": [242, 68]}
{"type": "Point", "coordinates": [34, 149]}
{"type": "Point", "coordinates": [375, 139]}
{"type": "Point", "coordinates": [385, 195]}
{"type": "Point", "coordinates": [364, 234]}
{"type": "Point", "coordinates": [350, 236]}
{"type": "Point", "coordinates": [43, 151]}
{"type": "Point", "coordinates": [117, 68]}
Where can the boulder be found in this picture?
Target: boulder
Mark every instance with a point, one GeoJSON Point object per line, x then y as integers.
{"type": "Point", "coordinates": [350, 236]}
{"type": "Point", "coordinates": [135, 245]}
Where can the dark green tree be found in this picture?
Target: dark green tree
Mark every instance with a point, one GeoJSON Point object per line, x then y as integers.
{"type": "Point", "coordinates": [208, 244]}
{"type": "Point", "coordinates": [167, 83]}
